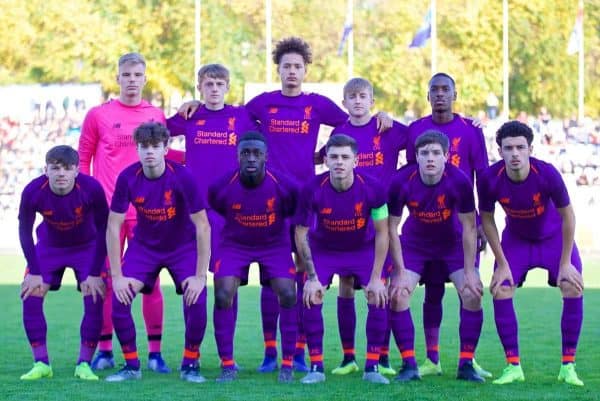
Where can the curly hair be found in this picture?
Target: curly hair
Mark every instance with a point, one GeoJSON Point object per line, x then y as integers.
{"type": "Point", "coordinates": [292, 44]}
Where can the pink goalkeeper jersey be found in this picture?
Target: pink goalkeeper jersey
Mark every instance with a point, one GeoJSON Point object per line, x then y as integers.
{"type": "Point", "coordinates": [107, 141]}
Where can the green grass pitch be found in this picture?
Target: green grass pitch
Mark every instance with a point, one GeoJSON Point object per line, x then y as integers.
{"type": "Point", "coordinates": [538, 309]}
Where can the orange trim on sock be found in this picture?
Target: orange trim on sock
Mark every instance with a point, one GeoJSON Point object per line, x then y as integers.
{"type": "Point", "coordinates": [227, 362]}
{"type": "Point", "coordinates": [130, 355]}
{"type": "Point", "coordinates": [372, 356]}
{"type": "Point", "coordinates": [466, 355]}
{"type": "Point", "coordinates": [300, 344]}
{"type": "Point", "coordinates": [435, 348]}
{"type": "Point", "coordinates": [568, 358]}
{"type": "Point", "coordinates": [407, 353]}
{"type": "Point", "coordinates": [316, 358]}
{"type": "Point", "coordinates": [287, 363]}
{"type": "Point", "coordinates": [271, 343]}
{"type": "Point", "coordinates": [513, 359]}
{"type": "Point", "coordinates": [190, 354]}
{"type": "Point", "coordinates": [349, 351]}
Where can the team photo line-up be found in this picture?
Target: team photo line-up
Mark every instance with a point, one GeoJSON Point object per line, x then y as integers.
{"type": "Point", "coordinates": [245, 191]}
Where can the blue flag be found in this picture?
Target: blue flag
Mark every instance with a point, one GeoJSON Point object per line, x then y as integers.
{"type": "Point", "coordinates": [345, 34]}
{"type": "Point", "coordinates": [423, 33]}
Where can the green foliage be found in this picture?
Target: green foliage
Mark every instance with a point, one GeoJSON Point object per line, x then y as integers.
{"type": "Point", "coordinates": [80, 41]}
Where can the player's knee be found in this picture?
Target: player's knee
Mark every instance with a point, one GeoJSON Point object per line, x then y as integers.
{"type": "Point", "coordinates": [504, 292]}
{"type": "Point", "coordinates": [40, 292]}
{"type": "Point", "coordinates": [346, 289]}
{"type": "Point", "coordinates": [287, 298]}
{"type": "Point", "coordinates": [223, 298]}
{"type": "Point", "coordinates": [470, 301]}
{"type": "Point", "coordinates": [400, 301]}
{"type": "Point", "coordinates": [568, 290]}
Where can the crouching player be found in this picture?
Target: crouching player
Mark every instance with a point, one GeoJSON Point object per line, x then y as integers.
{"type": "Point", "coordinates": [74, 212]}
{"type": "Point", "coordinates": [172, 232]}
{"type": "Point", "coordinates": [350, 239]}
{"type": "Point", "coordinates": [440, 230]}
{"type": "Point", "coordinates": [539, 232]}
{"type": "Point", "coordinates": [256, 204]}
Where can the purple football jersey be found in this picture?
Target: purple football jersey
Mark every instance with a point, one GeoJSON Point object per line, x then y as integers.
{"type": "Point", "coordinates": [377, 152]}
{"type": "Point", "coordinates": [291, 126]}
{"type": "Point", "coordinates": [211, 138]}
{"type": "Point", "coordinates": [433, 209]}
{"type": "Point", "coordinates": [343, 219]}
{"type": "Point", "coordinates": [530, 205]}
{"type": "Point", "coordinates": [256, 216]}
{"type": "Point", "coordinates": [70, 220]}
{"type": "Point", "coordinates": [163, 205]}
{"type": "Point", "coordinates": [467, 143]}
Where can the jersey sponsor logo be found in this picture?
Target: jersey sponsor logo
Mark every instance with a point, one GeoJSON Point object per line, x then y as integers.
{"type": "Point", "coordinates": [168, 197]}
{"type": "Point", "coordinates": [360, 223]}
{"type": "Point", "coordinates": [305, 127]}
{"type": "Point", "coordinates": [379, 159]}
{"type": "Point", "coordinates": [280, 126]}
{"type": "Point", "coordinates": [455, 160]}
{"type": "Point", "coordinates": [367, 159]}
{"type": "Point", "coordinates": [307, 112]}
{"type": "Point", "coordinates": [213, 138]}
{"type": "Point", "coordinates": [171, 212]}
{"type": "Point", "coordinates": [200, 122]}
{"type": "Point", "coordinates": [232, 140]}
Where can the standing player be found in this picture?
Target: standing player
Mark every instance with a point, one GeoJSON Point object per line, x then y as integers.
{"type": "Point", "coordinates": [211, 138]}
{"type": "Point", "coordinates": [74, 212]}
{"type": "Point", "coordinates": [350, 239]}
{"type": "Point", "coordinates": [440, 229]}
{"type": "Point", "coordinates": [377, 157]}
{"type": "Point", "coordinates": [539, 232]}
{"type": "Point", "coordinates": [256, 204]}
{"type": "Point", "coordinates": [467, 151]}
{"type": "Point", "coordinates": [105, 148]}
{"type": "Point", "coordinates": [172, 231]}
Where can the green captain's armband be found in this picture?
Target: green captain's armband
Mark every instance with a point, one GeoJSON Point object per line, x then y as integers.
{"type": "Point", "coordinates": [380, 213]}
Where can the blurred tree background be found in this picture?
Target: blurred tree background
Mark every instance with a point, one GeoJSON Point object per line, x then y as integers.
{"type": "Point", "coordinates": [80, 40]}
